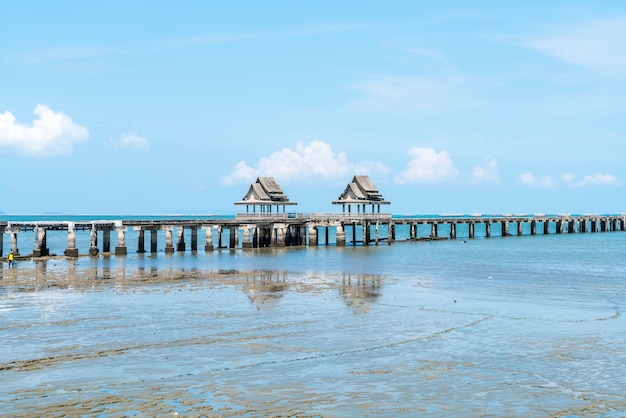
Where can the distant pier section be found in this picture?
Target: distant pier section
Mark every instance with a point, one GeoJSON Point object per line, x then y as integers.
{"type": "Point", "coordinates": [266, 223]}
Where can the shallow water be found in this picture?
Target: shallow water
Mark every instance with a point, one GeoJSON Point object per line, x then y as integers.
{"type": "Point", "coordinates": [519, 326]}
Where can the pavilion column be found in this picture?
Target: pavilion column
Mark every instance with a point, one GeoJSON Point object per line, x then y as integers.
{"type": "Point", "coordinates": [41, 249]}
{"type": "Point", "coordinates": [208, 244]}
{"type": "Point", "coordinates": [169, 239]}
{"type": "Point", "coordinates": [154, 241]}
{"type": "Point", "coordinates": [120, 249]}
{"type": "Point", "coordinates": [93, 246]}
{"type": "Point", "coordinates": [194, 239]}
{"type": "Point", "coordinates": [141, 240]}
{"type": "Point", "coordinates": [71, 250]}
{"type": "Point", "coordinates": [312, 236]}
{"type": "Point", "coordinates": [340, 239]}
{"type": "Point", "coordinates": [180, 242]}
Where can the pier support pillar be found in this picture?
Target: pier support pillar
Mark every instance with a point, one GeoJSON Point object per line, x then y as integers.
{"type": "Point", "coordinates": [434, 230]}
{"type": "Point", "coordinates": [208, 243]}
{"type": "Point", "coordinates": [546, 228]}
{"type": "Point", "coordinates": [559, 227]}
{"type": "Point", "coordinates": [594, 226]}
{"type": "Point", "coordinates": [41, 249]}
{"type": "Point", "coordinates": [413, 232]}
{"type": "Point", "coordinates": [571, 227]}
{"type": "Point", "coordinates": [154, 244]}
{"type": "Point", "coordinates": [280, 235]}
{"type": "Point", "coordinates": [533, 227]}
{"type": "Point", "coordinates": [247, 243]}
{"type": "Point", "coordinates": [219, 237]}
{"type": "Point", "coordinates": [505, 229]}
{"type": "Point", "coordinates": [603, 225]}
{"type": "Point", "coordinates": [120, 249]}
{"type": "Point", "coordinates": [255, 237]}
{"type": "Point", "coordinates": [488, 229]}
{"type": "Point", "coordinates": [340, 240]}
{"type": "Point", "coordinates": [106, 240]}
{"type": "Point", "coordinates": [472, 225]}
{"type": "Point", "coordinates": [376, 233]}
{"type": "Point", "coordinates": [520, 225]}
{"type": "Point", "coordinates": [180, 242]}
{"type": "Point", "coordinates": [169, 247]}
{"type": "Point", "coordinates": [194, 239]}
{"type": "Point", "coordinates": [453, 230]}
{"type": "Point", "coordinates": [141, 240]}
{"type": "Point", "coordinates": [2, 229]}
{"type": "Point", "coordinates": [312, 236]}
{"type": "Point", "coordinates": [392, 233]}
{"type": "Point", "coordinates": [93, 241]}
{"type": "Point", "coordinates": [582, 226]}
{"type": "Point", "coordinates": [71, 250]}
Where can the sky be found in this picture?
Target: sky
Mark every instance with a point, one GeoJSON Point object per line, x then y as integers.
{"type": "Point", "coordinates": [451, 107]}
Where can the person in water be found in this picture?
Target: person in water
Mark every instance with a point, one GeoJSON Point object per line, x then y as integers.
{"type": "Point", "coordinates": [11, 259]}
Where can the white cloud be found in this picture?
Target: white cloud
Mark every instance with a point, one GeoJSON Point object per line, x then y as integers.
{"type": "Point", "coordinates": [598, 179]}
{"type": "Point", "coordinates": [529, 179]}
{"type": "Point", "coordinates": [314, 159]}
{"type": "Point", "coordinates": [130, 140]}
{"type": "Point", "coordinates": [52, 133]}
{"type": "Point", "coordinates": [427, 166]}
{"type": "Point", "coordinates": [409, 94]}
{"type": "Point", "coordinates": [599, 45]}
{"type": "Point", "coordinates": [486, 173]}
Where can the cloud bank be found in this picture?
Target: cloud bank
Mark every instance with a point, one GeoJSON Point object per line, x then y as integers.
{"type": "Point", "coordinates": [51, 133]}
{"type": "Point", "coordinates": [569, 179]}
{"type": "Point", "coordinates": [317, 159]}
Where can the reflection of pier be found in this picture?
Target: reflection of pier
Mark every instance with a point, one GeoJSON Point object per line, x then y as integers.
{"type": "Point", "coordinates": [265, 289]}
{"type": "Point", "coordinates": [360, 292]}
{"type": "Point", "coordinates": [257, 230]}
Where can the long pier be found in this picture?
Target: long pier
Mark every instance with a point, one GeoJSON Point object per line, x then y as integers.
{"type": "Point", "coordinates": [257, 230]}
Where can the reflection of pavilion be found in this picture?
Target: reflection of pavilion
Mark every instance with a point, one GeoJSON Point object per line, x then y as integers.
{"type": "Point", "coordinates": [265, 289]}
{"type": "Point", "coordinates": [360, 292]}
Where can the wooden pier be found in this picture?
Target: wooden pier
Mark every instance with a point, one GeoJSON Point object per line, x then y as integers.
{"type": "Point", "coordinates": [248, 231]}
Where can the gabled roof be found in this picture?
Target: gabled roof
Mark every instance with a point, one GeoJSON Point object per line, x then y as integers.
{"type": "Point", "coordinates": [361, 190]}
{"type": "Point", "coordinates": [265, 191]}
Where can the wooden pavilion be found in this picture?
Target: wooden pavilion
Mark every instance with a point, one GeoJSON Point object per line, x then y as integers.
{"type": "Point", "coordinates": [267, 195]}
{"type": "Point", "coordinates": [361, 192]}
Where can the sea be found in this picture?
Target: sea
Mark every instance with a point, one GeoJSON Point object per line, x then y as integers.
{"type": "Point", "coordinates": [514, 326]}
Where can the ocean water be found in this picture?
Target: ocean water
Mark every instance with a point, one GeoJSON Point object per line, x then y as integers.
{"type": "Point", "coordinates": [506, 326]}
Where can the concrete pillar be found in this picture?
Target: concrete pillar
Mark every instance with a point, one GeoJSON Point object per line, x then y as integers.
{"type": "Point", "coordinates": [154, 245]}
{"type": "Point", "coordinates": [106, 240]}
{"type": "Point", "coordinates": [546, 227]}
{"type": "Point", "coordinates": [2, 229]}
{"type": "Point", "coordinates": [208, 244]}
{"type": "Point", "coordinates": [488, 229]}
{"type": "Point", "coordinates": [471, 230]}
{"type": "Point", "coordinates": [520, 225]}
{"type": "Point", "coordinates": [280, 235]}
{"type": "Point", "coordinates": [180, 242]}
{"type": "Point", "coordinates": [41, 249]}
{"type": "Point", "coordinates": [71, 250]}
{"type": "Point", "coordinates": [247, 243]}
{"type": "Point", "coordinates": [256, 238]}
{"type": "Point", "coordinates": [582, 225]}
{"type": "Point", "coordinates": [603, 225]}
{"type": "Point", "coordinates": [594, 226]}
{"type": "Point", "coordinates": [559, 226]}
{"type": "Point", "coordinates": [93, 245]}
{"type": "Point", "coordinates": [392, 233]}
{"type": "Point", "coordinates": [120, 249]}
{"type": "Point", "coordinates": [194, 239]}
{"type": "Point", "coordinates": [219, 237]}
{"type": "Point", "coordinates": [413, 232]}
{"type": "Point", "coordinates": [169, 239]}
{"type": "Point", "coordinates": [533, 227]}
{"type": "Point", "coordinates": [376, 233]}
{"type": "Point", "coordinates": [312, 236]}
{"type": "Point", "coordinates": [505, 228]}
{"type": "Point", "coordinates": [453, 230]}
{"type": "Point", "coordinates": [367, 233]}
{"type": "Point", "coordinates": [327, 232]}
{"type": "Point", "coordinates": [434, 230]}
{"type": "Point", "coordinates": [341, 236]}
{"type": "Point", "coordinates": [141, 240]}
{"type": "Point", "coordinates": [571, 226]}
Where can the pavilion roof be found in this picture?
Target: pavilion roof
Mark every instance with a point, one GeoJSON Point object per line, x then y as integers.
{"type": "Point", "coordinates": [361, 190]}
{"type": "Point", "coordinates": [265, 191]}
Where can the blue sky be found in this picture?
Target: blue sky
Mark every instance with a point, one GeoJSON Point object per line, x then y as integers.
{"type": "Point", "coordinates": [153, 107]}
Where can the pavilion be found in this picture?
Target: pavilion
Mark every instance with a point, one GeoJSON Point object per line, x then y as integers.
{"type": "Point", "coordinates": [266, 194]}
{"type": "Point", "coordinates": [360, 192]}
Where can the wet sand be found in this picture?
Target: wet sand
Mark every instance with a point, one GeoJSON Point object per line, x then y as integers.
{"type": "Point", "coordinates": [114, 341]}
